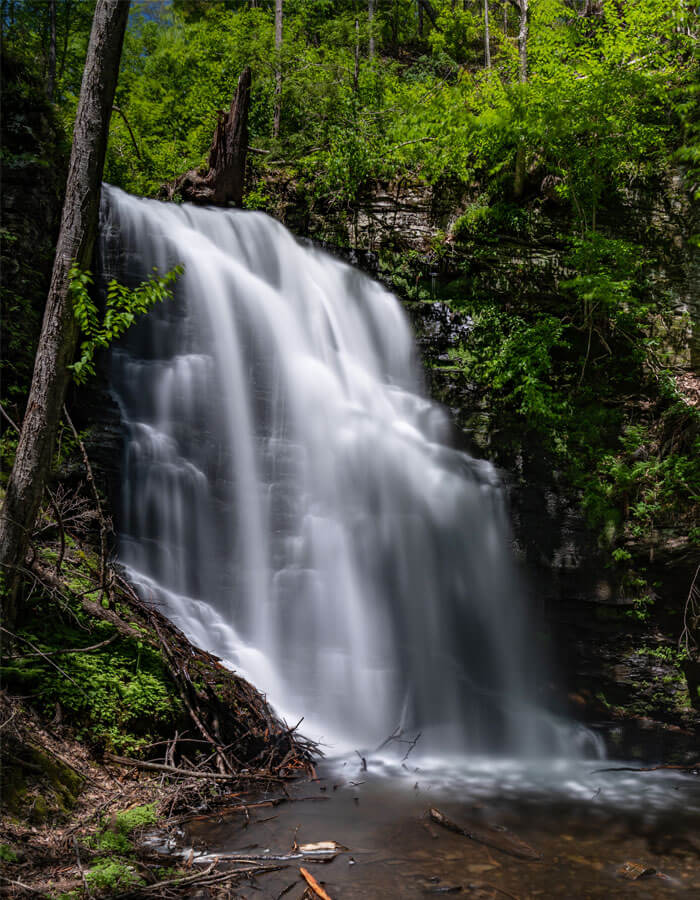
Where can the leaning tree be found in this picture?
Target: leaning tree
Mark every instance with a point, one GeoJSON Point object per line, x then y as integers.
{"type": "Point", "coordinates": [59, 332]}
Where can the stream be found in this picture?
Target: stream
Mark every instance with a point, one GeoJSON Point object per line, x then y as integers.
{"type": "Point", "coordinates": [585, 825]}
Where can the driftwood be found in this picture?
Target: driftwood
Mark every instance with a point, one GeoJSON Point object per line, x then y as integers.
{"type": "Point", "coordinates": [489, 836]}
{"type": "Point", "coordinates": [222, 183]}
{"type": "Point", "coordinates": [313, 884]}
{"type": "Point", "coordinates": [170, 770]}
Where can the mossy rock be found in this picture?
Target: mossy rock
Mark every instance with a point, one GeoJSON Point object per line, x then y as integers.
{"type": "Point", "coordinates": [35, 784]}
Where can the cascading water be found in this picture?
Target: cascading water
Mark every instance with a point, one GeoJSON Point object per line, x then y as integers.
{"type": "Point", "coordinates": [289, 497]}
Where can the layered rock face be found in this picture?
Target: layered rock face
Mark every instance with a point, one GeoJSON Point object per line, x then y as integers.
{"type": "Point", "coordinates": [610, 660]}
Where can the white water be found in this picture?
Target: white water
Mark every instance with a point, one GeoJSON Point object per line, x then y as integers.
{"type": "Point", "coordinates": [289, 497]}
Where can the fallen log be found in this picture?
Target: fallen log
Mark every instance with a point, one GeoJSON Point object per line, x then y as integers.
{"type": "Point", "coordinates": [490, 836]}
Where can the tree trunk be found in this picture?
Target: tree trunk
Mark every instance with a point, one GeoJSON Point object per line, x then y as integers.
{"type": "Point", "coordinates": [487, 35]}
{"type": "Point", "coordinates": [51, 81]}
{"type": "Point", "coordinates": [356, 71]}
{"type": "Point", "coordinates": [59, 331]}
{"type": "Point", "coordinates": [519, 181]}
{"type": "Point", "coordinates": [278, 72]}
{"type": "Point", "coordinates": [522, 39]}
{"type": "Point", "coordinates": [223, 183]}
{"type": "Point", "coordinates": [370, 19]}
{"type": "Point", "coordinates": [229, 148]}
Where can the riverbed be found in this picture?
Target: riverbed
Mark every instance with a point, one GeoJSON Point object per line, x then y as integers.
{"type": "Point", "coordinates": [592, 830]}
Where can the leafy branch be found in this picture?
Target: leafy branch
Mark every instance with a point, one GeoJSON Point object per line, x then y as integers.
{"type": "Point", "coordinates": [123, 305]}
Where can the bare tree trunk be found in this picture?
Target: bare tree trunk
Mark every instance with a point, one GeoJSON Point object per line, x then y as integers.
{"type": "Point", "coordinates": [487, 35]}
{"type": "Point", "coordinates": [370, 19]}
{"type": "Point", "coordinates": [278, 72]}
{"type": "Point", "coordinates": [59, 331]}
{"type": "Point", "coordinates": [420, 19]}
{"type": "Point", "coordinates": [519, 181]}
{"type": "Point", "coordinates": [223, 182]}
{"type": "Point", "coordinates": [356, 72]}
{"type": "Point", "coordinates": [522, 39]}
{"type": "Point", "coordinates": [230, 146]}
{"type": "Point", "coordinates": [51, 86]}
{"type": "Point", "coordinates": [505, 18]}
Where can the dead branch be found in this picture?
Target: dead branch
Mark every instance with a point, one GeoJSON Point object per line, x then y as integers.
{"type": "Point", "coordinates": [313, 884]}
{"type": "Point", "coordinates": [90, 649]}
{"type": "Point", "coordinates": [98, 502]}
{"type": "Point", "coordinates": [38, 652]}
{"type": "Point", "coordinates": [691, 616]}
{"type": "Point", "coordinates": [489, 836]}
{"type": "Point", "coordinates": [223, 763]}
{"type": "Point", "coordinates": [171, 770]}
{"type": "Point", "coordinates": [128, 128]}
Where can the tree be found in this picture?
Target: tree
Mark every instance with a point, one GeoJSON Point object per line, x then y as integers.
{"type": "Point", "coordinates": [59, 332]}
{"type": "Point", "coordinates": [222, 183]}
{"type": "Point", "coordinates": [278, 71]}
{"type": "Point", "coordinates": [51, 83]}
{"type": "Point", "coordinates": [487, 36]}
{"type": "Point", "coordinates": [522, 7]}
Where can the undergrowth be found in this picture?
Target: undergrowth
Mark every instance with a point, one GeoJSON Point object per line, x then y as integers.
{"type": "Point", "coordinates": [117, 694]}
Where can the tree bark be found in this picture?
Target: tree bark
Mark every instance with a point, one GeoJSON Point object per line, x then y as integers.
{"type": "Point", "coordinates": [522, 7]}
{"type": "Point", "coordinates": [59, 331]}
{"type": "Point", "coordinates": [51, 81]}
{"type": "Point", "coordinates": [356, 71]}
{"type": "Point", "coordinates": [278, 72]}
{"type": "Point", "coordinates": [223, 183]}
{"type": "Point", "coordinates": [487, 35]}
{"type": "Point", "coordinates": [229, 148]}
{"type": "Point", "coordinates": [370, 19]}
{"type": "Point", "coordinates": [522, 39]}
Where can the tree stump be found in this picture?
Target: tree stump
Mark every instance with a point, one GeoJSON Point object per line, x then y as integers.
{"type": "Point", "coordinates": [222, 183]}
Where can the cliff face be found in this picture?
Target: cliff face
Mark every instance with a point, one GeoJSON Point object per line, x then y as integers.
{"type": "Point", "coordinates": [615, 663]}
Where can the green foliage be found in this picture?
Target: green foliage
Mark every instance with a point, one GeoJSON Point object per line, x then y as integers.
{"type": "Point", "coordinates": [558, 368]}
{"type": "Point", "coordinates": [7, 854]}
{"type": "Point", "coordinates": [119, 694]}
{"type": "Point", "coordinates": [116, 838]}
{"type": "Point", "coordinates": [122, 307]}
{"type": "Point", "coordinates": [112, 874]}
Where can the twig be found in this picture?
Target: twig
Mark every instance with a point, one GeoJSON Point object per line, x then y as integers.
{"type": "Point", "coordinates": [80, 867]}
{"type": "Point", "coordinates": [412, 744]}
{"type": "Point", "coordinates": [223, 762]}
{"type": "Point", "coordinates": [9, 419]}
{"type": "Point", "coordinates": [50, 661]}
{"type": "Point", "coordinates": [690, 611]}
{"type": "Point", "coordinates": [93, 485]}
{"type": "Point", "coordinates": [21, 884]}
{"type": "Point", "coordinates": [173, 770]}
{"type": "Point", "coordinates": [71, 650]}
{"type": "Point", "coordinates": [131, 133]}
{"type": "Point", "coordinates": [61, 530]}
{"type": "Point", "coordinates": [491, 837]}
{"type": "Point", "coordinates": [313, 884]}
{"type": "Point", "coordinates": [189, 879]}
{"type": "Point", "coordinates": [9, 719]}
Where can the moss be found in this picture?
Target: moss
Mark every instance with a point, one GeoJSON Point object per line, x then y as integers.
{"type": "Point", "coordinates": [36, 781]}
{"type": "Point", "coordinates": [7, 854]}
{"type": "Point", "coordinates": [109, 874]}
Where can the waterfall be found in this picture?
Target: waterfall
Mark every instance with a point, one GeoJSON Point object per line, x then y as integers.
{"type": "Point", "coordinates": [290, 498]}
